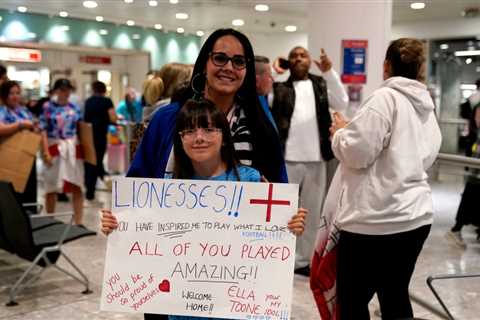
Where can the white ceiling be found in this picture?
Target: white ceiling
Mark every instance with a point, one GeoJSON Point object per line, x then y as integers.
{"type": "Point", "coordinates": [434, 10]}
{"type": "Point", "coordinates": [212, 14]}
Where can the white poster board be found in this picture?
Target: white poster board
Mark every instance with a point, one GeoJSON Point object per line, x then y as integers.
{"type": "Point", "coordinates": [201, 248]}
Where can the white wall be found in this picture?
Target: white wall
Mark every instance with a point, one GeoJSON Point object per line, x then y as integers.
{"type": "Point", "coordinates": [277, 45]}
{"type": "Point", "coordinates": [354, 19]}
{"type": "Point", "coordinates": [137, 68]}
{"type": "Point", "coordinates": [455, 28]}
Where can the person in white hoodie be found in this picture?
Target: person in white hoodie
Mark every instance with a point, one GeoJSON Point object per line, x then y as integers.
{"type": "Point", "coordinates": [384, 211]}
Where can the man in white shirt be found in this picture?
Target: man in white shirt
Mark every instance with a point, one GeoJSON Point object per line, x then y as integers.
{"type": "Point", "coordinates": [301, 109]}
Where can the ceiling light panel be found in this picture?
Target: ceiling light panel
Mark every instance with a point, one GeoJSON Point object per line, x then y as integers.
{"type": "Point", "coordinates": [90, 4]}
{"type": "Point", "coordinates": [291, 28]}
{"type": "Point", "coordinates": [262, 7]}
{"type": "Point", "coordinates": [238, 22]}
{"type": "Point", "coordinates": [417, 5]}
{"type": "Point", "coordinates": [181, 15]}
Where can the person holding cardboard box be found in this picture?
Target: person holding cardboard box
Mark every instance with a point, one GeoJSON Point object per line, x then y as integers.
{"type": "Point", "coordinates": [14, 118]}
{"type": "Point", "coordinates": [62, 155]}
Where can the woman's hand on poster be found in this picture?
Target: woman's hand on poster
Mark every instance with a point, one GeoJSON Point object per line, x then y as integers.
{"type": "Point", "coordinates": [296, 225]}
{"type": "Point", "coordinates": [108, 222]}
{"type": "Point", "coordinates": [338, 122]}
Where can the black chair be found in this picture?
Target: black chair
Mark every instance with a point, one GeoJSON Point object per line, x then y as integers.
{"type": "Point", "coordinates": [38, 222]}
{"type": "Point", "coordinates": [42, 246]}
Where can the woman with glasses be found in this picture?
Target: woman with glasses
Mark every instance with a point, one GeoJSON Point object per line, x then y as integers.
{"type": "Point", "coordinates": [204, 150]}
{"type": "Point", "coordinates": [225, 74]}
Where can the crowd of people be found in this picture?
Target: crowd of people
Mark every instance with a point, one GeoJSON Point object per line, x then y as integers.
{"type": "Point", "coordinates": [360, 178]}
{"type": "Point", "coordinates": [56, 118]}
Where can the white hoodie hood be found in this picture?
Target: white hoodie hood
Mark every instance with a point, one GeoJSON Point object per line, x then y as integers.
{"type": "Point", "coordinates": [416, 92]}
{"type": "Point", "coordinates": [385, 152]}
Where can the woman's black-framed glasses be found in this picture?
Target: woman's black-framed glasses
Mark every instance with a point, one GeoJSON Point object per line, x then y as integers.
{"type": "Point", "coordinates": [220, 59]}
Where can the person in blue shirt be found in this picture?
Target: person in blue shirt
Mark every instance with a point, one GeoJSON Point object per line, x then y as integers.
{"type": "Point", "coordinates": [203, 150]}
{"type": "Point", "coordinates": [130, 109]}
{"type": "Point", "coordinates": [14, 118]}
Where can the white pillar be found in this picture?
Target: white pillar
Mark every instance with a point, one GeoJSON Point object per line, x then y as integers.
{"type": "Point", "coordinates": [330, 22]}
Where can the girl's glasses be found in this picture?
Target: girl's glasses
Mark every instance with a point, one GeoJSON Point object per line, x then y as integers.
{"type": "Point", "coordinates": [207, 133]}
{"type": "Point", "coordinates": [220, 59]}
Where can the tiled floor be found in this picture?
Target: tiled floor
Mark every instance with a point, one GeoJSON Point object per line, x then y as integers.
{"type": "Point", "coordinates": [57, 297]}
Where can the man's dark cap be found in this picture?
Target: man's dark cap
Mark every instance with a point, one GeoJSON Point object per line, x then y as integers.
{"type": "Point", "coordinates": [62, 84]}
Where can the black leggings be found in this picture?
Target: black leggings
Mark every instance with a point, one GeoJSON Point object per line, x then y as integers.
{"type": "Point", "coordinates": [92, 172]}
{"type": "Point", "coordinates": [468, 209]}
{"type": "Point", "coordinates": [381, 264]}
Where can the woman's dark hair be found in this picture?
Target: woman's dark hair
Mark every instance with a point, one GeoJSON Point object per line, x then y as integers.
{"type": "Point", "coordinates": [406, 57]}
{"type": "Point", "coordinates": [5, 89]}
{"type": "Point", "coordinates": [98, 87]}
{"type": "Point", "coordinates": [265, 140]}
{"type": "Point", "coordinates": [201, 114]}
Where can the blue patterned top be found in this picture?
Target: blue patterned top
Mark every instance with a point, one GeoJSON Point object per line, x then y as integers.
{"type": "Point", "coordinates": [60, 122]}
{"type": "Point", "coordinates": [9, 116]}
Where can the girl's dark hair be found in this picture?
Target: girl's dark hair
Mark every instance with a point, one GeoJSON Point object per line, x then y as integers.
{"type": "Point", "coordinates": [265, 140]}
{"type": "Point", "coordinates": [5, 89]}
{"type": "Point", "coordinates": [201, 114]}
{"type": "Point", "coordinates": [406, 57]}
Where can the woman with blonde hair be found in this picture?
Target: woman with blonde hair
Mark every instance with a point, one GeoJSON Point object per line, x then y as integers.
{"type": "Point", "coordinates": [173, 75]}
{"type": "Point", "coordinates": [152, 91]}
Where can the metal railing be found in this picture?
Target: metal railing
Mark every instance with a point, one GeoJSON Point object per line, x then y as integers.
{"type": "Point", "coordinates": [457, 160]}
{"type": "Point", "coordinates": [460, 161]}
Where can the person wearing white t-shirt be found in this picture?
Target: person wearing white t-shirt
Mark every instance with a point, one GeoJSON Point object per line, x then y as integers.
{"type": "Point", "coordinates": [301, 109]}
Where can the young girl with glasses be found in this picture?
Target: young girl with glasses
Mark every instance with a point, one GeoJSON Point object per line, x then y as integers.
{"type": "Point", "coordinates": [203, 150]}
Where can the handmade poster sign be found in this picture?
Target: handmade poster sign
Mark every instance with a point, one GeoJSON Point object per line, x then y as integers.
{"type": "Point", "coordinates": [201, 248]}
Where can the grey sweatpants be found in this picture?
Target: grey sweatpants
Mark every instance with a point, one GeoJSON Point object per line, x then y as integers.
{"type": "Point", "coordinates": [313, 185]}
